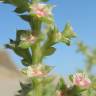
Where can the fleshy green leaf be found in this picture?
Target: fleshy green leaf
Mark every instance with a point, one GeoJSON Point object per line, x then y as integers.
{"type": "Point", "coordinates": [24, 45]}
{"type": "Point", "coordinates": [20, 33]}
{"type": "Point", "coordinates": [67, 34]}
{"type": "Point", "coordinates": [24, 53]}
{"type": "Point", "coordinates": [26, 17]}
{"type": "Point", "coordinates": [66, 40]}
{"type": "Point", "coordinates": [68, 31]}
{"type": "Point", "coordinates": [26, 62]}
{"type": "Point", "coordinates": [17, 2]}
{"type": "Point", "coordinates": [47, 68]}
{"type": "Point", "coordinates": [20, 10]}
{"type": "Point", "coordinates": [21, 5]}
{"type": "Point", "coordinates": [49, 51]}
{"type": "Point", "coordinates": [61, 85]}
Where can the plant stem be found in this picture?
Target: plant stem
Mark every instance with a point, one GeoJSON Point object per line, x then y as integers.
{"type": "Point", "coordinates": [36, 49]}
{"type": "Point", "coordinates": [36, 53]}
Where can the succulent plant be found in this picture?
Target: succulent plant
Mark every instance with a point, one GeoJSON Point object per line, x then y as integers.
{"type": "Point", "coordinates": [35, 44]}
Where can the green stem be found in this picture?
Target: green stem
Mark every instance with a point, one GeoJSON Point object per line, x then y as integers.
{"type": "Point", "coordinates": [35, 26]}
{"type": "Point", "coordinates": [48, 43]}
{"type": "Point", "coordinates": [36, 54]}
{"type": "Point", "coordinates": [36, 49]}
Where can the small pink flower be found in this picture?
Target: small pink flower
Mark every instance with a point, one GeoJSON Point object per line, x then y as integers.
{"type": "Point", "coordinates": [81, 80]}
{"type": "Point", "coordinates": [41, 10]}
{"type": "Point", "coordinates": [35, 72]}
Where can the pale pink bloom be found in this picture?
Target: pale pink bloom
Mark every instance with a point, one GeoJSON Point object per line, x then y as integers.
{"type": "Point", "coordinates": [37, 73]}
{"type": "Point", "coordinates": [81, 80]}
{"type": "Point", "coordinates": [41, 10]}
{"type": "Point", "coordinates": [34, 72]}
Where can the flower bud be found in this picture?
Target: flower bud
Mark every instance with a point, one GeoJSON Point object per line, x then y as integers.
{"type": "Point", "coordinates": [35, 71]}
{"type": "Point", "coordinates": [81, 80]}
{"type": "Point", "coordinates": [41, 10]}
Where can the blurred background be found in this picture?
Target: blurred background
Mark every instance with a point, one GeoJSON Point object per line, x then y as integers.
{"type": "Point", "coordinates": [82, 16]}
{"type": "Point", "coordinates": [10, 77]}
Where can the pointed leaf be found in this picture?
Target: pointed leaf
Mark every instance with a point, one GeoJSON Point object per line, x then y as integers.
{"type": "Point", "coordinates": [49, 51]}
{"type": "Point", "coordinates": [61, 85]}
{"type": "Point", "coordinates": [26, 17]}
{"type": "Point", "coordinates": [24, 45]}
{"type": "Point", "coordinates": [68, 32]}
{"type": "Point", "coordinates": [20, 10]}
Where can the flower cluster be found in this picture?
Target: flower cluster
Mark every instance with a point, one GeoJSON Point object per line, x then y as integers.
{"type": "Point", "coordinates": [37, 70]}
{"type": "Point", "coordinates": [41, 10]}
{"type": "Point", "coordinates": [81, 80]}
{"type": "Point", "coordinates": [34, 72]}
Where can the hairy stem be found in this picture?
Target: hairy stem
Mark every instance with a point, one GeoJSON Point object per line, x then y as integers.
{"type": "Point", "coordinates": [36, 50]}
{"type": "Point", "coordinates": [36, 54]}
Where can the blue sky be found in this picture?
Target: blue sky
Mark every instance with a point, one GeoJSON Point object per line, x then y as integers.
{"type": "Point", "coordinates": [82, 16]}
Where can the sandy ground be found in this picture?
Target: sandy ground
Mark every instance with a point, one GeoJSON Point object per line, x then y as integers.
{"type": "Point", "coordinates": [9, 76]}
{"type": "Point", "coordinates": [9, 82]}
{"type": "Point", "coordinates": [9, 87]}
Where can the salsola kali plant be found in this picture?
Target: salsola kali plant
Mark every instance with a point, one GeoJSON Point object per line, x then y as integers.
{"type": "Point", "coordinates": [90, 62]}
{"type": "Point", "coordinates": [89, 53]}
{"type": "Point", "coordinates": [35, 44]}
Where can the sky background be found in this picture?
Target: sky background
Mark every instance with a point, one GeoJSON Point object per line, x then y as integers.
{"type": "Point", "coordinates": [82, 16]}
